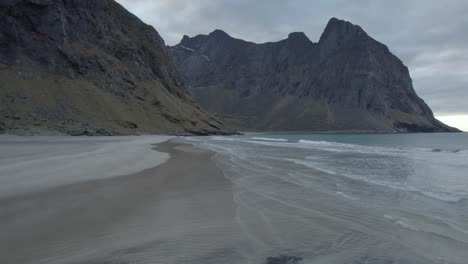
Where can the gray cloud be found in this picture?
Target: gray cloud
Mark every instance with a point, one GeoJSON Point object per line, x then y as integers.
{"type": "Point", "coordinates": [430, 36]}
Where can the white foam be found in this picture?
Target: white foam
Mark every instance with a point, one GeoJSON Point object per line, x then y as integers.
{"type": "Point", "coordinates": [400, 221]}
{"type": "Point", "coordinates": [270, 139]}
{"type": "Point", "coordinates": [446, 197]}
{"type": "Point", "coordinates": [346, 147]}
{"type": "Point", "coordinates": [459, 156]}
{"type": "Point", "coordinates": [447, 190]}
{"type": "Point", "coordinates": [224, 138]}
{"type": "Point", "coordinates": [344, 195]}
{"type": "Point", "coordinates": [327, 146]}
{"type": "Point", "coordinates": [387, 150]}
{"type": "Point", "coordinates": [72, 160]}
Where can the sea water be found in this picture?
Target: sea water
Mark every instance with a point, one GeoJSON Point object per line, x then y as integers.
{"type": "Point", "coordinates": [349, 198]}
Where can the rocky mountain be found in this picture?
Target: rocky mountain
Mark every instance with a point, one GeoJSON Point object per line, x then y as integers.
{"type": "Point", "coordinates": [346, 82]}
{"type": "Point", "coordinates": [89, 67]}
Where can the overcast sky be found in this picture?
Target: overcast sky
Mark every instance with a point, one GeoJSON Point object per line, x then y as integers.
{"type": "Point", "coordinates": [429, 36]}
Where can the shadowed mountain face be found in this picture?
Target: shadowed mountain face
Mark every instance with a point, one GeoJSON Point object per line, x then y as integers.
{"type": "Point", "coordinates": [89, 67]}
{"type": "Point", "coordinates": [346, 82]}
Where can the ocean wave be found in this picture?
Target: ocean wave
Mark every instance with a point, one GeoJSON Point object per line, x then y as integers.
{"type": "Point", "coordinates": [448, 150]}
{"type": "Point", "coordinates": [224, 138]}
{"type": "Point", "coordinates": [391, 158]}
{"type": "Point", "coordinates": [328, 146]}
{"type": "Point", "coordinates": [400, 221]}
{"type": "Point", "coordinates": [270, 139]}
{"type": "Point", "coordinates": [344, 195]}
{"type": "Point", "coordinates": [338, 147]}
{"type": "Point", "coordinates": [458, 157]}
{"type": "Point", "coordinates": [346, 147]}
{"type": "Point", "coordinates": [441, 196]}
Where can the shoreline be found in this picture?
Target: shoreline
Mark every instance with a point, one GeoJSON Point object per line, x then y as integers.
{"type": "Point", "coordinates": [47, 133]}
{"type": "Point", "coordinates": [345, 132]}
{"type": "Point", "coordinates": [31, 164]}
{"type": "Point", "coordinates": [218, 202]}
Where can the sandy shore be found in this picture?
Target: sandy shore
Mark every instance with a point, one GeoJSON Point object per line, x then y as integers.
{"type": "Point", "coordinates": [181, 211]}
{"type": "Point", "coordinates": [31, 164]}
{"type": "Point", "coordinates": [126, 200]}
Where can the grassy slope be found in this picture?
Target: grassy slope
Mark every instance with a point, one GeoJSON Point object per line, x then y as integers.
{"type": "Point", "coordinates": [77, 66]}
{"type": "Point", "coordinates": [52, 102]}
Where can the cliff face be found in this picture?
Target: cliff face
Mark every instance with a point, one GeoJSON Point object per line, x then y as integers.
{"type": "Point", "coordinates": [89, 67]}
{"type": "Point", "coordinates": [346, 82]}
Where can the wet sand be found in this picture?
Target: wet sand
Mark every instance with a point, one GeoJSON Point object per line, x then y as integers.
{"type": "Point", "coordinates": [181, 211]}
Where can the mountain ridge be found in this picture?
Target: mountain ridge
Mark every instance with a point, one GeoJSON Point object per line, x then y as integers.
{"type": "Point", "coordinates": [85, 67]}
{"type": "Point", "coordinates": [347, 81]}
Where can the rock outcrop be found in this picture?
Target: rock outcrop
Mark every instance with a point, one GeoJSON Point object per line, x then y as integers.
{"type": "Point", "coordinates": [346, 82]}
{"type": "Point", "coordinates": [86, 67]}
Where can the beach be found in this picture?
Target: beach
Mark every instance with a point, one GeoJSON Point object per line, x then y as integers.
{"type": "Point", "coordinates": [245, 199]}
{"type": "Point", "coordinates": [153, 216]}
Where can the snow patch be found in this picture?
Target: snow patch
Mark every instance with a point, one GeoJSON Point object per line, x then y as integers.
{"type": "Point", "coordinates": [187, 48]}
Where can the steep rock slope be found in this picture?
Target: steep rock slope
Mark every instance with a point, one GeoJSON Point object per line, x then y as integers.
{"type": "Point", "coordinates": [89, 67]}
{"type": "Point", "coordinates": [346, 82]}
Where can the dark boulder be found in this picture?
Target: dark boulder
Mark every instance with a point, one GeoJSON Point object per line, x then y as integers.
{"type": "Point", "coordinates": [284, 259]}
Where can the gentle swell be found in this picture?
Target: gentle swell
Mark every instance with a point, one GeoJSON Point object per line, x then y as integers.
{"type": "Point", "coordinates": [270, 139]}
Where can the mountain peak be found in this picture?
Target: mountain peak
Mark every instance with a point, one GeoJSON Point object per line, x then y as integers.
{"type": "Point", "coordinates": [185, 38]}
{"type": "Point", "coordinates": [341, 28]}
{"type": "Point", "coordinates": [339, 34]}
{"type": "Point", "coordinates": [300, 36]}
{"type": "Point", "coordinates": [218, 33]}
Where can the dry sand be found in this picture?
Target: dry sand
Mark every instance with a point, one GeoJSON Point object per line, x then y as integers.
{"type": "Point", "coordinates": [181, 211]}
